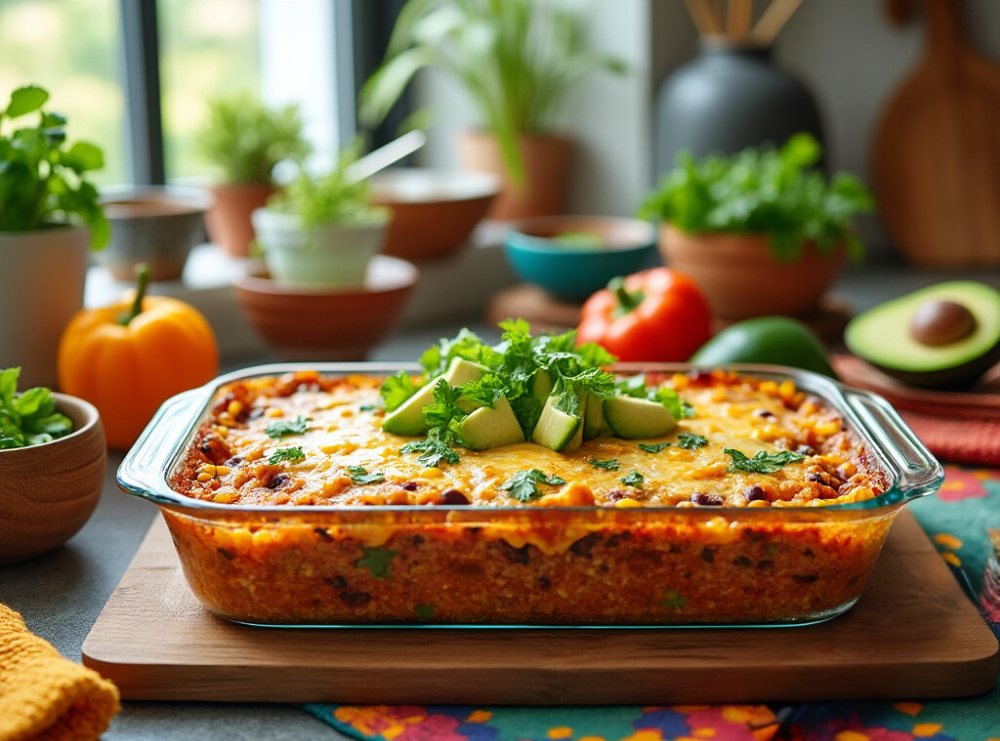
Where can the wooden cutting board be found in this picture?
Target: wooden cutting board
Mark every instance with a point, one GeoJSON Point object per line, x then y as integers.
{"type": "Point", "coordinates": [937, 151]}
{"type": "Point", "coordinates": [912, 634]}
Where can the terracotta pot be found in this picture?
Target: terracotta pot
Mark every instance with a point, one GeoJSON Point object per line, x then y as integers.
{"type": "Point", "coordinates": [328, 324]}
{"type": "Point", "coordinates": [741, 279]}
{"type": "Point", "coordinates": [42, 276]}
{"type": "Point", "coordinates": [48, 491]}
{"type": "Point", "coordinates": [228, 221]}
{"type": "Point", "coordinates": [546, 160]}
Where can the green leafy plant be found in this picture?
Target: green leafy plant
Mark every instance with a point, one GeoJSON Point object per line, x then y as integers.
{"type": "Point", "coordinates": [516, 59]}
{"type": "Point", "coordinates": [245, 139]}
{"type": "Point", "coordinates": [762, 461]}
{"type": "Point", "coordinates": [42, 182]}
{"type": "Point", "coordinates": [29, 418]}
{"type": "Point", "coordinates": [338, 197]}
{"type": "Point", "coordinates": [778, 193]}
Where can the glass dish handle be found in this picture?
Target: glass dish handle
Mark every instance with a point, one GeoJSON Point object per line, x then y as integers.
{"type": "Point", "coordinates": [918, 471]}
{"type": "Point", "coordinates": [143, 470]}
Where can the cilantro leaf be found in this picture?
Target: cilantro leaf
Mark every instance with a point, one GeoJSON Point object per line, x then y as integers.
{"type": "Point", "coordinates": [762, 462]}
{"type": "Point", "coordinates": [286, 454]}
{"type": "Point", "coordinates": [29, 418]}
{"type": "Point", "coordinates": [485, 392]}
{"type": "Point", "coordinates": [434, 450]}
{"type": "Point", "coordinates": [673, 599]}
{"type": "Point", "coordinates": [444, 409]}
{"type": "Point", "coordinates": [284, 427]}
{"type": "Point", "coordinates": [653, 447]}
{"type": "Point", "coordinates": [523, 485]}
{"type": "Point", "coordinates": [609, 465]}
{"type": "Point", "coordinates": [691, 441]}
{"type": "Point", "coordinates": [376, 560]}
{"type": "Point", "coordinates": [467, 345]}
{"type": "Point", "coordinates": [396, 390]}
{"type": "Point", "coordinates": [359, 475]}
{"type": "Point", "coordinates": [424, 612]}
{"type": "Point", "coordinates": [634, 479]}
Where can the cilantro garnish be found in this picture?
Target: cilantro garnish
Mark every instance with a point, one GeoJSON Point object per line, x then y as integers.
{"type": "Point", "coordinates": [283, 428]}
{"type": "Point", "coordinates": [523, 485]}
{"type": "Point", "coordinates": [673, 599]}
{"type": "Point", "coordinates": [28, 419]}
{"type": "Point", "coordinates": [424, 612]}
{"type": "Point", "coordinates": [433, 449]}
{"type": "Point", "coordinates": [396, 390]}
{"type": "Point", "coordinates": [286, 454]}
{"type": "Point", "coordinates": [369, 407]}
{"type": "Point", "coordinates": [634, 479]}
{"type": "Point", "coordinates": [359, 475]}
{"type": "Point", "coordinates": [691, 441]}
{"type": "Point", "coordinates": [376, 560]}
{"type": "Point", "coordinates": [609, 465]}
{"type": "Point", "coordinates": [653, 447]}
{"type": "Point", "coordinates": [762, 462]}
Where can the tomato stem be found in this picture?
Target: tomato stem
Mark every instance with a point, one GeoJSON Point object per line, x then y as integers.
{"type": "Point", "coordinates": [142, 283]}
{"type": "Point", "coordinates": [627, 300]}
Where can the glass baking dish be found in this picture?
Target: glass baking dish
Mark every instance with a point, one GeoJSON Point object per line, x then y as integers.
{"type": "Point", "coordinates": [286, 565]}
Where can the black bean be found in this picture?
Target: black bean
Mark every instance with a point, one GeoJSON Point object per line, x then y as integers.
{"type": "Point", "coordinates": [409, 486]}
{"type": "Point", "coordinates": [278, 480]}
{"type": "Point", "coordinates": [228, 555]}
{"type": "Point", "coordinates": [703, 499]}
{"type": "Point", "coordinates": [454, 496]}
{"type": "Point", "coordinates": [763, 413]}
{"type": "Point", "coordinates": [323, 534]}
{"type": "Point", "coordinates": [616, 494]}
{"type": "Point", "coordinates": [819, 478]}
{"type": "Point", "coordinates": [806, 450]}
{"type": "Point", "coordinates": [235, 460]}
{"type": "Point", "coordinates": [755, 493]}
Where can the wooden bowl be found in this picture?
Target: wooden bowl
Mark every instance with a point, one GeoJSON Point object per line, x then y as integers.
{"type": "Point", "coordinates": [434, 211]}
{"type": "Point", "coordinates": [741, 279]}
{"type": "Point", "coordinates": [48, 491]}
{"type": "Point", "coordinates": [328, 324]}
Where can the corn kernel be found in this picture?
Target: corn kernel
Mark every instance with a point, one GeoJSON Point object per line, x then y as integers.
{"type": "Point", "coordinates": [203, 477]}
{"type": "Point", "coordinates": [223, 498]}
{"type": "Point", "coordinates": [787, 389]}
{"type": "Point", "coordinates": [346, 412]}
{"type": "Point", "coordinates": [234, 408]}
{"type": "Point", "coordinates": [769, 387]}
{"type": "Point", "coordinates": [431, 473]}
{"type": "Point", "coordinates": [828, 428]}
{"type": "Point", "coordinates": [627, 503]}
{"type": "Point", "coordinates": [275, 412]}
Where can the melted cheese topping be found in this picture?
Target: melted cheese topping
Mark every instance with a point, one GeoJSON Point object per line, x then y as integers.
{"type": "Point", "coordinates": [230, 465]}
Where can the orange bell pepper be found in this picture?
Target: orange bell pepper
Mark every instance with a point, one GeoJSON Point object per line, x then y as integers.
{"type": "Point", "coordinates": [128, 358]}
{"type": "Point", "coordinates": [654, 315]}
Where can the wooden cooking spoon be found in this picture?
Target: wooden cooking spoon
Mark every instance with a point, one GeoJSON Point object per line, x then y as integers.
{"type": "Point", "coordinates": [937, 151]}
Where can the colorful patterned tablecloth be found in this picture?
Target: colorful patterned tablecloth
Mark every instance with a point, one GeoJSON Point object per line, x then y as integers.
{"type": "Point", "coordinates": [957, 519]}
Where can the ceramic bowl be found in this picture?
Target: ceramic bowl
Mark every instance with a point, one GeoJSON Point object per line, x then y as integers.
{"type": "Point", "coordinates": [48, 491]}
{"type": "Point", "coordinates": [571, 257]}
{"type": "Point", "coordinates": [155, 225]}
{"type": "Point", "coordinates": [332, 323]}
{"type": "Point", "coordinates": [434, 211]}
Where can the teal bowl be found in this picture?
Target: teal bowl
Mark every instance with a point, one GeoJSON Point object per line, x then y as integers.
{"type": "Point", "coordinates": [571, 257]}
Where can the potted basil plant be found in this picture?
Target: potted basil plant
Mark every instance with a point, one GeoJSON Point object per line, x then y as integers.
{"type": "Point", "coordinates": [761, 232]}
{"type": "Point", "coordinates": [321, 231]}
{"type": "Point", "coordinates": [244, 140]}
{"type": "Point", "coordinates": [516, 60]}
{"type": "Point", "coordinates": [50, 217]}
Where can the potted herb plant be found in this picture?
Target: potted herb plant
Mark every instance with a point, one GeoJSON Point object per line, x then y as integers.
{"type": "Point", "coordinates": [762, 231]}
{"type": "Point", "coordinates": [50, 216]}
{"type": "Point", "coordinates": [516, 60]}
{"type": "Point", "coordinates": [321, 231]}
{"type": "Point", "coordinates": [244, 140]}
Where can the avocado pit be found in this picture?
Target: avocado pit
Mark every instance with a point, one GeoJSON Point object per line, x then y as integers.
{"type": "Point", "coordinates": [940, 322]}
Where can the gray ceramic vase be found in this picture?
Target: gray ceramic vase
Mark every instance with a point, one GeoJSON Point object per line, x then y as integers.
{"type": "Point", "coordinates": [726, 99]}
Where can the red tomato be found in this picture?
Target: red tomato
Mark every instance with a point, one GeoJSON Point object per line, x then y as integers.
{"type": "Point", "coordinates": [655, 315]}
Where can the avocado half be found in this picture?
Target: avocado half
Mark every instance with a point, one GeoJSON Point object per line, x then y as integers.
{"type": "Point", "coordinates": [885, 336]}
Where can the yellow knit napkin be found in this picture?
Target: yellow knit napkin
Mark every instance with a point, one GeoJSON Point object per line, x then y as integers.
{"type": "Point", "coordinates": [45, 697]}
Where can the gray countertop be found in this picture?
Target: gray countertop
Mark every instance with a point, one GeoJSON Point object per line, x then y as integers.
{"type": "Point", "coordinates": [60, 595]}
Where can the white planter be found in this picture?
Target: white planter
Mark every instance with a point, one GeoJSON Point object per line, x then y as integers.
{"type": "Point", "coordinates": [332, 256]}
{"type": "Point", "coordinates": [42, 276]}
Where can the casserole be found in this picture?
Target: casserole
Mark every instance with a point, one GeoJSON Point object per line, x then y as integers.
{"type": "Point", "coordinates": [282, 564]}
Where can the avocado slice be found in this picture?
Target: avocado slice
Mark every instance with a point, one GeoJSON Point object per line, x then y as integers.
{"type": "Point", "coordinates": [408, 419]}
{"type": "Point", "coordinates": [925, 338]}
{"type": "Point", "coordinates": [491, 428]}
{"type": "Point", "coordinates": [632, 418]}
{"type": "Point", "coordinates": [594, 423]}
{"type": "Point", "coordinates": [558, 430]}
{"type": "Point", "coordinates": [776, 340]}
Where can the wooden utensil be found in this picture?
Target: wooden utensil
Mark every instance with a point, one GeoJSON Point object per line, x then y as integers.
{"type": "Point", "coordinates": [773, 20]}
{"type": "Point", "coordinates": [937, 151]}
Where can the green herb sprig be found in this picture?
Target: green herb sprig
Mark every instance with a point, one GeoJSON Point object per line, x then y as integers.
{"type": "Point", "coordinates": [762, 461]}
{"type": "Point", "coordinates": [611, 464]}
{"type": "Point", "coordinates": [28, 419]}
{"type": "Point", "coordinates": [778, 193]}
{"type": "Point", "coordinates": [523, 485]}
{"type": "Point", "coordinates": [286, 454]}
{"type": "Point", "coordinates": [691, 441]}
{"type": "Point", "coordinates": [360, 475]}
{"type": "Point", "coordinates": [635, 479]}
{"type": "Point", "coordinates": [285, 427]}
